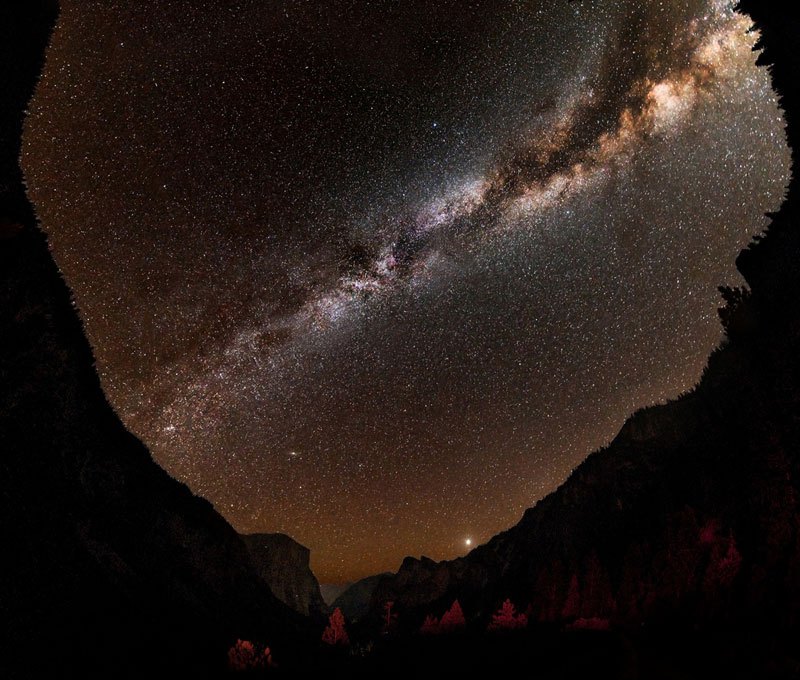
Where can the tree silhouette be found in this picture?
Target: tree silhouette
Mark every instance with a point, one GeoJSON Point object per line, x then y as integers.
{"type": "Point", "coordinates": [430, 626]}
{"type": "Point", "coordinates": [724, 564]}
{"type": "Point", "coordinates": [335, 633]}
{"type": "Point", "coordinates": [506, 618]}
{"type": "Point", "coordinates": [243, 657]}
{"type": "Point", "coordinates": [708, 533]}
{"type": "Point", "coordinates": [453, 619]}
{"type": "Point", "coordinates": [389, 617]}
{"type": "Point", "coordinates": [734, 312]}
{"type": "Point", "coordinates": [728, 566]}
{"type": "Point", "coordinates": [590, 623]}
{"type": "Point", "coordinates": [572, 604]}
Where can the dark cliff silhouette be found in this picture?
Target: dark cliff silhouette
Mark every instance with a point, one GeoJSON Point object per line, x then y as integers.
{"type": "Point", "coordinates": [690, 516]}
{"type": "Point", "coordinates": [284, 564]}
{"type": "Point", "coordinates": [107, 564]}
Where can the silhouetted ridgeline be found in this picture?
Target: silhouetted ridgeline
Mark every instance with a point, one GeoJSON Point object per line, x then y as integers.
{"type": "Point", "coordinates": [691, 513]}
{"type": "Point", "coordinates": [107, 564]}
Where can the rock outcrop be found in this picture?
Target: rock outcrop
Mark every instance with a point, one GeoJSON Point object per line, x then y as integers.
{"type": "Point", "coordinates": [355, 600]}
{"type": "Point", "coordinates": [284, 565]}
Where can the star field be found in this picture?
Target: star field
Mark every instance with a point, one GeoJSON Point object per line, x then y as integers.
{"type": "Point", "coordinates": [378, 274]}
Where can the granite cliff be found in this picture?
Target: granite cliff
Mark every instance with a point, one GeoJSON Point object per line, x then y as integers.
{"type": "Point", "coordinates": [284, 565]}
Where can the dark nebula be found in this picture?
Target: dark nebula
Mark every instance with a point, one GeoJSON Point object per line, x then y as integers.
{"type": "Point", "coordinates": [380, 274]}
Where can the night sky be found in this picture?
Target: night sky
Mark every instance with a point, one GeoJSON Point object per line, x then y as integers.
{"type": "Point", "coordinates": [379, 274]}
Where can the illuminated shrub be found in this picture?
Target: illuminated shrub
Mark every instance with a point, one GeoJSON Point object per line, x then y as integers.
{"type": "Point", "coordinates": [506, 618]}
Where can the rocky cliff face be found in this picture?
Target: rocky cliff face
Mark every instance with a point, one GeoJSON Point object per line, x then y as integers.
{"type": "Point", "coordinates": [691, 513]}
{"type": "Point", "coordinates": [107, 562]}
{"type": "Point", "coordinates": [284, 565]}
{"type": "Point", "coordinates": [355, 600]}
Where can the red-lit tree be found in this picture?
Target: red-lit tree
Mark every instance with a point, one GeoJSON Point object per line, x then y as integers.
{"type": "Point", "coordinates": [506, 618]}
{"type": "Point", "coordinates": [335, 633]}
{"type": "Point", "coordinates": [430, 626]}
{"type": "Point", "coordinates": [243, 657]}
{"type": "Point", "coordinates": [571, 607]}
{"type": "Point", "coordinates": [389, 617]}
{"type": "Point", "coordinates": [453, 619]}
{"type": "Point", "coordinates": [724, 565]}
{"type": "Point", "coordinates": [708, 533]}
{"type": "Point", "coordinates": [591, 623]}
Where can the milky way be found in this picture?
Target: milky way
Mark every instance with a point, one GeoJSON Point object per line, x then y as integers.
{"type": "Point", "coordinates": [380, 274]}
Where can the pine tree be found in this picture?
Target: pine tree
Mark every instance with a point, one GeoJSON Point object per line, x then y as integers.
{"type": "Point", "coordinates": [389, 617]}
{"type": "Point", "coordinates": [430, 626]}
{"type": "Point", "coordinates": [453, 619]}
{"type": "Point", "coordinates": [243, 657]}
{"type": "Point", "coordinates": [335, 633]}
{"type": "Point", "coordinates": [506, 618]}
{"type": "Point", "coordinates": [572, 604]}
